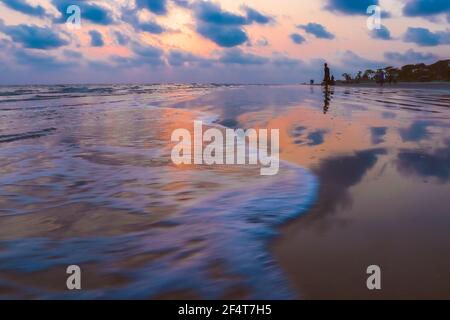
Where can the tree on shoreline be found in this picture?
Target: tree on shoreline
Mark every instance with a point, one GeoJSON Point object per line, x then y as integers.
{"type": "Point", "coordinates": [439, 71]}
{"type": "Point", "coordinates": [347, 77]}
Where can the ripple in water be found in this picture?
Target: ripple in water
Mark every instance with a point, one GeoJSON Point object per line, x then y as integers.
{"type": "Point", "coordinates": [230, 229]}
{"type": "Point", "coordinates": [157, 229]}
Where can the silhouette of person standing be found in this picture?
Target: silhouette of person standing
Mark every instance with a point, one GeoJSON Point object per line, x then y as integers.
{"type": "Point", "coordinates": [326, 79]}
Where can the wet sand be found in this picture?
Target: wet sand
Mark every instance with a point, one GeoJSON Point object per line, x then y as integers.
{"type": "Point", "coordinates": [356, 224]}
{"type": "Point", "coordinates": [86, 178]}
{"type": "Point", "coordinates": [382, 202]}
{"type": "Point", "coordinates": [382, 156]}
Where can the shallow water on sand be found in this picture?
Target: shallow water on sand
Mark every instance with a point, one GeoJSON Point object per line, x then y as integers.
{"type": "Point", "coordinates": [86, 178]}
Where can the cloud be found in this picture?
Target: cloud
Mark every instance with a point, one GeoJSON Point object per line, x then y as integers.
{"type": "Point", "coordinates": [212, 13]}
{"type": "Point", "coordinates": [351, 61]}
{"type": "Point", "coordinates": [33, 37]}
{"type": "Point", "coordinates": [89, 11]}
{"type": "Point", "coordinates": [317, 30]}
{"type": "Point", "coordinates": [256, 16]}
{"type": "Point", "coordinates": [96, 38]}
{"type": "Point", "coordinates": [118, 61]}
{"type": "Point", "coordinates": [182, 3]}
{"type": "Point", "coordinates": [223, 27]}
{"type": "Point", "coordinates": [158, 7]}
{"type": "Point", "coordinates": [179, 58]}
{"type": "Point", "coordinates": [121, 38]}
{"type": "Point", "coordinates": [40, 61]}
{"type": "Point", "coordinates": [232, 56]}
{"type": "Point", "coordinates": [262, 42]}
{"type": "Point", "coordinates": [149, 55]}
{"type": "Point", "coordinates": [144, 56]}
{"type": "Point", "coordinates": [281, 60]}
{"type": "Point", "coordinates": [149, 26]}
{"type": "Point", "coordinates": [24, 7]}
{"type": "Point", "coordinates": [382, 34]}
{"type": "Point", "coordinates": [237, 56]}
{"type": "Point", "coordinates": [424, 37]}
{"type": "Point", "coordinates": [410, 56]}
{"type": "Point", "coordinates": [223, 36]}
{"type": "Point", "coordinates": [350, 7]}
{"type": "Point", "coordinates": [385, 15]}
{"type": "Point", "coordinates": [297, 38]}
{"type": "Point", "coordinates": [71, 54]}
{"type": "Point", "coordinates": [420, 8]}
{"type": "Point", "coordinates": [99, 65]}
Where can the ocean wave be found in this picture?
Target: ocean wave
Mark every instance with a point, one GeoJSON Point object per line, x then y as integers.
{"type": "Point", "coordinates": [231, 228]}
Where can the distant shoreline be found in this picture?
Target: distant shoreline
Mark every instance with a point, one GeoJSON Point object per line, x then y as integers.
{"type": "Point", "coordinates": [401, 85]}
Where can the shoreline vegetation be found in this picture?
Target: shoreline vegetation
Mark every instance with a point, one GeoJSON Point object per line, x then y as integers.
{"type": "Point", "coordinates": [435, 85]}
{"type": "Point", "coordinates": [411, 75]}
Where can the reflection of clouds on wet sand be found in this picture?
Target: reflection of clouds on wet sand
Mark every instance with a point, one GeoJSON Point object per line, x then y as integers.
{"type": "Point", "coordinates": [434, 164]}
{"type": "Point", "coordinates": [384, 176]}
{"type": "Point", "coordinates": [101, 190]}
{"type": "Point", "coordinates": [378, 134]}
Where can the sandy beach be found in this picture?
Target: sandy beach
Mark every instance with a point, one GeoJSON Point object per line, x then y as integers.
{"type": "Point", "coordinates": [364, 181]}
{"type": "Point", "coordinates": [378, 204]}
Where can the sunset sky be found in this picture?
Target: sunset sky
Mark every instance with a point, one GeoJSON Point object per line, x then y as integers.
{"type": "Point", "coordinates": [233, 41]}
